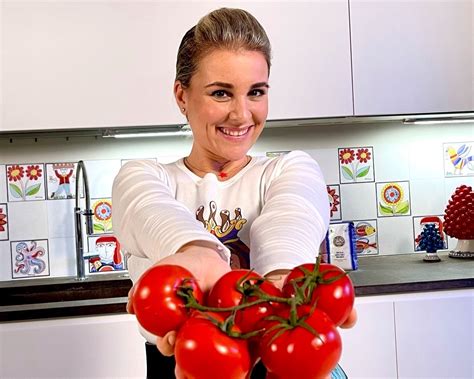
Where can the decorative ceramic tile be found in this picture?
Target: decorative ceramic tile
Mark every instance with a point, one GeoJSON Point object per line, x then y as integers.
{"type": "Point", "coordinates": [29, 258]}
{"type": "Point", "coordinates": [123, 161]}
{"type": "Point", "coordinates": [3, 184]}
{"type": "Point", "coordinates": [391, 163]}
{"type": "Point", "coordinates": [102, 218]}
{"type": "Point", "coordinates": [328, 162]}
{"type": "Point", "coordinates": [28, 220]}
{"type": "Point", "coordinates": [334, 195]}
{"type": "Point", "coordinates": [101, 175]}
{"type": "Point", "coordinates": [359, 201]}
{"type": "Point", "coordinates": [458, 159]}
{"type": "Point", "coordinates": [25, 182]}
{"type": "Point", "coordinates": [3, 222]}
{"type": "Point", "coordinates": [60, 218]}
{"type": "Point", "coordinates": [356, 164]}
{"type": "Point", "coordinates": [420, 221]}
{"type": "Point", "coordinates": [395, 235]}
{"type": "Point", "coordinates": [61, 180]}
{"type": "Point", "coordinates": [366, 237]}
{"type": "Point", "coordinates": [108, 257]}
{"type": "Point", "coordinates": [393, 199]}
{"type": "Point", "coordinates": [427, 196]}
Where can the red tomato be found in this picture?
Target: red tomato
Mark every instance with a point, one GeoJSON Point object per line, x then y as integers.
{"type": "Point", "coordinates": [224, 294]}
{"type": "Point", "coordinates": [203, 351]}
{"type": "Point", "coordinates": [336, 298]}
{"type": "Point", "coordinates": [298, 353]}
{"type": "Point", "coordinates": [157, 306]}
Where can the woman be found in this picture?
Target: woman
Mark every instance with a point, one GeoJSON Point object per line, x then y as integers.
{"type": "Point", "coordinates": [218, 207]}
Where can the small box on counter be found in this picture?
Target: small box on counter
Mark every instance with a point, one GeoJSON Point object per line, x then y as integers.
{"type": "Point", "coordinates": [338, 248]}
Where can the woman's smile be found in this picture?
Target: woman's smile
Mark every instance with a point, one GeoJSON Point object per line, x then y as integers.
{"type": "Point", "coordinates": [235, 133]}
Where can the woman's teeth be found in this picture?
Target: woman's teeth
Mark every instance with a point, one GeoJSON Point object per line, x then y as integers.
{"type": "Point", "coordinates": [234, 132]}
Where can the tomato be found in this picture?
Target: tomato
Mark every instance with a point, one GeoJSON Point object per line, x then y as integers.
{"type": "Point", "coordinates": [203, 351]}
{"type": "Point", "coordinates": [224, 294]}
{"type": "Point", "coordinates": [157, 306]}
{"type": "Point", "coordinates": [336, 298]}
{"type": "Point", "coordinates": [298, 353]}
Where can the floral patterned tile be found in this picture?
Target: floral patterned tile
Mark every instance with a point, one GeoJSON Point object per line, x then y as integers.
{"type": "Point", "coordinates": [102, 218]}
{"type": "Point", "coordinates": [393, 199]}
{"type": "Point", "coordinates": [334, 194]}
{"type": "Point", "coordinates": [458, 159]}
{"type": "Point", "coordinates": [29, 258]}
{"type": "Point", "coordinates": [356, 164]}
{"type": "Point", "coordinates": [3, 222]}
{"type": "Point", "coordinates": [25, 182]}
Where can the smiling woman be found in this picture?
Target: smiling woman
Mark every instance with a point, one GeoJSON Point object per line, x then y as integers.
{"type": "Point", "coordinates": [219, 208]}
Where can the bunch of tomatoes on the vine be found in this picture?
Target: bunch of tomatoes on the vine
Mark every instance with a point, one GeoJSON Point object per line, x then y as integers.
{"type": "Point", "coordinates": [245, 317]}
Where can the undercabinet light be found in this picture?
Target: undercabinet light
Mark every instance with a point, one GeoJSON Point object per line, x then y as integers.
{"type": "Point", "coordinates": [174, 132]}
{"type": "Point", "coordinates": [434, 121]}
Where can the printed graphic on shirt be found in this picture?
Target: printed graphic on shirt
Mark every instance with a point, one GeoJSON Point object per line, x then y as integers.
{"type": "Point", "coordinates": [227, 231]}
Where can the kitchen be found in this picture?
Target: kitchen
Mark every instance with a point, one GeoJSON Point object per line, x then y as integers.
{"type": "Point", "coordinates": [72, 72]}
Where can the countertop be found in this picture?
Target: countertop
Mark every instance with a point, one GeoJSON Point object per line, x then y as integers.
{"type": "Point", "coordinates": [107, 293]}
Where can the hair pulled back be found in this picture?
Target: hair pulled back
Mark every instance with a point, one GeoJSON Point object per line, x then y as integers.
{"type": "Point", "coordinates": [222, 29]}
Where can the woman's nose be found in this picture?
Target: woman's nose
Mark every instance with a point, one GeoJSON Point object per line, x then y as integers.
{"type": "Point", "coordinates": [240, 110]}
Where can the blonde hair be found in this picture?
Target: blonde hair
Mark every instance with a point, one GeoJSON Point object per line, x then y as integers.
{"type": "Point", "coordinates": [224, 28]}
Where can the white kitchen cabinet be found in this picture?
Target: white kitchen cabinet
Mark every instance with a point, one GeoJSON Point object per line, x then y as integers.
{"type": "Point", "coordinates": [98, 64]}
{"type": "Point", "coordinates": [108, 346]}
{"type": "Point", "coordinates": [368, 349]}
{"type": "Point", "coordinates": [435, 336]}
{"type": "Point", "coordinates": [412, 56]}
{"type": "Point", "coordinates": [415, 335]}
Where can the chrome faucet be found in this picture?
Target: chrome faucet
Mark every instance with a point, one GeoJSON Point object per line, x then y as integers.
{"type": "Point", "coordinates": [81, 255]}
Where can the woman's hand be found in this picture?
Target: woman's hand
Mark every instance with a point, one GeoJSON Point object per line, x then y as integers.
{"type": "Point", "coordinates": [207, 267]}
{"type": "Point", "coordinates": [351, 320]}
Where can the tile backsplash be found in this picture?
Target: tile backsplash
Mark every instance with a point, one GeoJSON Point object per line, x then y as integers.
{"type": "Point", "coordinates": [389, 179]}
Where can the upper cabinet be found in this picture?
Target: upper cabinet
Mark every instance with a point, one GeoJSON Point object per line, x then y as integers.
{"type": "Point", "coordinates": [88, 64]}
{"type": "Point", "coordinates": [68, 64]}
{"type": "Point", "coordinates": [412, 56]}
{"type": "Point", "coordinates": [98, 64]}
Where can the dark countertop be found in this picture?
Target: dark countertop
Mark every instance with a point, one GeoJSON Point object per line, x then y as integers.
{"type": "Point", "coordinates": [107, 294]}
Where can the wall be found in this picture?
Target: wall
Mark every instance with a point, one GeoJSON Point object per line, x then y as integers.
{"type": "Point", "coordinates": [406, 160]}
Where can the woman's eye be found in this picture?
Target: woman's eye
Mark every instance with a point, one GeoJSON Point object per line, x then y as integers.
{"type": "Point", "coordinates": [220, 94]}
{"type": "Point", "coordinates": [257, 92]}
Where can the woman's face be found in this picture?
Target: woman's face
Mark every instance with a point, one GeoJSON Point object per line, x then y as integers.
{"type": "Point", "coordinates": [226, 103]}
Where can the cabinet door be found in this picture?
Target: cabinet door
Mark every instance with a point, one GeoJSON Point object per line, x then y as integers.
{"type": "Point", "coordinates": [108, 346]}
{"type": "Point", "coordinates": [97, 64]}
{"type": "Point", "coordinates": [368, 349]}
{"type": "Point", "coordinates": [412, 56]}
{"type": "Point", "coordinates": [311, 68]}
{"type": "Point", "coordinates": [89, 64]}
{"type": "Point", "coordinates": [435, 335]}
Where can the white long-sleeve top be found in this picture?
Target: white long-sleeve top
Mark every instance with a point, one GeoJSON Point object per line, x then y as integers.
{"type": "Point", "coordinates": [274, 213]}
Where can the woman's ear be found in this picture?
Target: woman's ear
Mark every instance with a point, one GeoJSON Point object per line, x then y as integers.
{"type": "Point", "coordinates": [179, 95]}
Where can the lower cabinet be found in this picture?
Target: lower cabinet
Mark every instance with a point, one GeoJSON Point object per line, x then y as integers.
{"type": "Point", "coordinates": [368, 349]}
{"type": "Point", "coordinates": [84, 347]}
{"type": "Point", "coordinates": [418, 335]}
